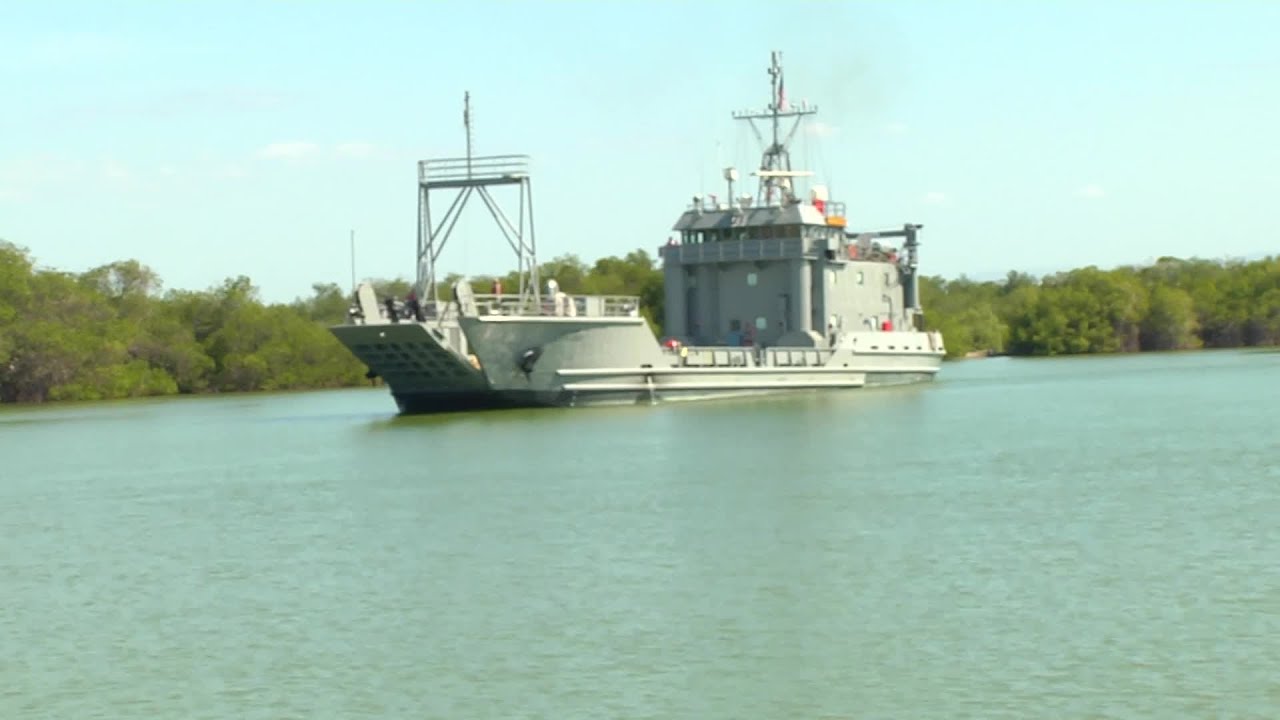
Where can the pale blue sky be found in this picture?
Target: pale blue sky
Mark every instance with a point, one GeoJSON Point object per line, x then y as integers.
{"type": "Point", "coordinates": [214, 139]}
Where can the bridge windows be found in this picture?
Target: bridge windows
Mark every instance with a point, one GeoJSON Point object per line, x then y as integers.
{"type": "Point", "coordinates": [750, 232]}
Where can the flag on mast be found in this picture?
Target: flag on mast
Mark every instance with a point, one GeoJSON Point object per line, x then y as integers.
{"type": "Point", "coordinates": [782, 93]}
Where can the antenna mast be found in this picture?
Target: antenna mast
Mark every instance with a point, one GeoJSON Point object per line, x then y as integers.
{"type": "Point", "coordinates": [466, 122]}
{"type": "Point", "coordinates": [775, 165]}
{"type": "Point", "coordinates": [464, 178]}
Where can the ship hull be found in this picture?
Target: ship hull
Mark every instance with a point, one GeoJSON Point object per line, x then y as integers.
{"type": "Point", "coordinates": [730, 388]}
{"type": "Point", "coordinates": [576, 362]}
{"type": "Point", "coordinates": [601, 362]}
{"type": "Point", "coordinates": [421, 364]}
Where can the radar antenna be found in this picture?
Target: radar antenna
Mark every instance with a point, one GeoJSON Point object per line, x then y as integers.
{"type": "Point", "coordinates": [775, 165]}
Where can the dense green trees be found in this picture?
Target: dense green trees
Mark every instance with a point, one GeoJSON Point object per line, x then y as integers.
{"type": "Point", "coordinates": [111, 333]}
{"type": "Point", "coordinates": [1171, 305]}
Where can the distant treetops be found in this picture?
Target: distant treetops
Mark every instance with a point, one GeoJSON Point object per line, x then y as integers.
{"type": "Point", "coordinates": [111, 333]}
{"type": "Point", "coordinates": [1171, 305]}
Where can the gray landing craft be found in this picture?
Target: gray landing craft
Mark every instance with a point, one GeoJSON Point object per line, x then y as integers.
{"type": "Point", "coordinates": [763, 294]}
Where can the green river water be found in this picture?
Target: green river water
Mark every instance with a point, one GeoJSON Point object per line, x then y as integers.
{"type": "Point", "coordinates": [1064, 538]}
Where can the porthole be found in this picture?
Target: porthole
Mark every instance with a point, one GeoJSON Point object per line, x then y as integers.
{"type": "Point", "coordinates": [751, 279]}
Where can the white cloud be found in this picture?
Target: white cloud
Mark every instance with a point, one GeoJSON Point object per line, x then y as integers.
{"type": "Point", "coordinates": [115, 172]}
{"type": "Point", "coordinates": [62, 50]}
{"type": "Point", "coordinates": [288, 150]}
{"type": "Point", "coordinates": [356, 149]}
{"type": "Point", "coordinates": [934, 197]}
{"type": "Point", "coordinates": [1091, 191]}
{"type": "Point", "coordinates": [230, 170]}
{"type": "Point", "coordinates": [896, 128]}
{"type": "Point", "coordinates": [817, 128]}
{"type": "Point", "coordinates": [40, 168]}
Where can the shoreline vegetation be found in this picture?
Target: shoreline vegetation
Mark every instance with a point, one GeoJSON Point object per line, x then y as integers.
{"type": "Point", "coordinates": [111, 332]}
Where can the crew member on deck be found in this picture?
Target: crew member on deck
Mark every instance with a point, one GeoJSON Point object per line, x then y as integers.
{"type": "Point", "coordinates": [415, 307]}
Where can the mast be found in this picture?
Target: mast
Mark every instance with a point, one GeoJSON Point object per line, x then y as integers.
{"type": "Point", "coordinates": [466, 122]}
{"type": "Point", "coordinates": [464, 178]}
{"type": "Point", "coordinates": [775, 171]}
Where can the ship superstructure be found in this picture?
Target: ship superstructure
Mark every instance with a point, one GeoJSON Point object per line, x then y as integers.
{"type": "Point", "coordinates": [779, 269]}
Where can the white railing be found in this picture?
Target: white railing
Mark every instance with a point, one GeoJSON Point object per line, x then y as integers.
{"type": "Point", "coordinates": [563, 305]}
{"type": "Point", "coordinates": [492, 167]}
{"type": "Point", "coordinates": [797, 357]}
{"type": "Point", "coordinates": [589, 306]}
{"type": "Point", "coordinates": [728, 356]}
{"type": "Point", "coordinates": [733, 250]}
{"type": "Point", "coordinates": [716, 356]}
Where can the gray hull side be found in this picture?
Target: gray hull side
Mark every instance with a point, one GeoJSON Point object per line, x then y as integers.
{"type": "Point", "coordinates": [425, 375]}
{"type": "Point", "coordinates": [417, 365]}
{"type": "Point", "coordinates": [566, 399]}
{"type": "Point", "coordinates": [746, 387]}
{"type": "Point", "coordinates": [585, 362]}
{"type": "Point", "coordinates": [562, 343]}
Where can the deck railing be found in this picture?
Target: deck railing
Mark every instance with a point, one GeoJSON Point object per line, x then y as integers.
{"type": "Point", "coordinates": [562, 304]}
{"type": "Point", "coordinates": [734, 250]}
{"type": "Point", "coordinates": [728, 356]}
{"type": "Point", "coordinates": [487, 168]}
{"type": "Point", "coordinates": [590, 306]}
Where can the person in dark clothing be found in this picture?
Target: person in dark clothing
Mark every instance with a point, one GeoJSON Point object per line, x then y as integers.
{"type": "Point", "coordinates": [414, 306]}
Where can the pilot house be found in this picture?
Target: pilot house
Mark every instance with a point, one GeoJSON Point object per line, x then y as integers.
{"type": "Point", "coordinates": [783, 274]}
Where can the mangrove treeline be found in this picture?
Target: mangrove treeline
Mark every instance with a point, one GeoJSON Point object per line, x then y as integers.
{"type": "Point", "coordinates": [111, 332]}
{"type": "Point", "coordinates": [1173, 304]}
